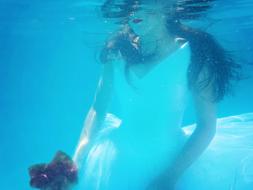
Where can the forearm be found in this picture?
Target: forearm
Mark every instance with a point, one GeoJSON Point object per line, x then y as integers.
{"type": "Point", "coordinates": [193, 148]}
{"type": "Point", "coordinates": [92, 124]}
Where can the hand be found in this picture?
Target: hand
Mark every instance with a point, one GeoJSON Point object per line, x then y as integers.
{"type": "Point", "coordinates": [161, 182]}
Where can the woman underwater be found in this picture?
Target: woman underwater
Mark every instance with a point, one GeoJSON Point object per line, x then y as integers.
{"type": "Point", "coordinates": [149, 65]}
{"type": "Point", "coordinates": [133, 138]}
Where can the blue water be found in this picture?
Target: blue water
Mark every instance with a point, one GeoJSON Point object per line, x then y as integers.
{"type": "Point", "coordinates": [49, 71]}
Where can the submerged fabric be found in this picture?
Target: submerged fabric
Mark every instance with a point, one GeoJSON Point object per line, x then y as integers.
{"type": "Point", "coordinates": [142, 133]}
{"type": "Point", "coordinates": [228, 161]}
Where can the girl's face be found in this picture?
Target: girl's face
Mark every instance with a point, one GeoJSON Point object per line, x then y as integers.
{"type": "Point", "coordinates": [147, 20]}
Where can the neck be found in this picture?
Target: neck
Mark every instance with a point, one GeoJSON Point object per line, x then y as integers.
{"type": "Point", "coordinates": [156, 43]}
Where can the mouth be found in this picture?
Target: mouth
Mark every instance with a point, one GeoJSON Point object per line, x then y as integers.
{"type": "Point", "coordinates": [137, 20]}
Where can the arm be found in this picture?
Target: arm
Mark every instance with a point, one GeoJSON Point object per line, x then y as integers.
{"type": "Point", "coordinates": [205, 109]}
{"type": "Point", "coordinates": [97, 112]}
{"type": "Point", "coordinates": [203, 134]}
{"type": "Point", "coordinates": [201, 137]}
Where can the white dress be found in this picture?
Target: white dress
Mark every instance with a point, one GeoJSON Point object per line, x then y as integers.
{"type": "Point", "coordinates": [227, 163]}
{"type": "Point", "coordinates": [142, 132]}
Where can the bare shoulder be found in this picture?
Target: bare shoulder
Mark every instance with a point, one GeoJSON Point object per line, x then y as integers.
{"type": "Point", "coordinates": [108, 71]}
{"type": "Point", "coordinates": [109, 65]}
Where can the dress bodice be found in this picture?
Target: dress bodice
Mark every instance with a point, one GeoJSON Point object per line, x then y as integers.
{"type": "Point", "coordinates": [159, 96]}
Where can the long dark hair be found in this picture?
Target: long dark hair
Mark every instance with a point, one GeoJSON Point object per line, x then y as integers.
{"type": "Point", "coordinates": [207, 55]}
